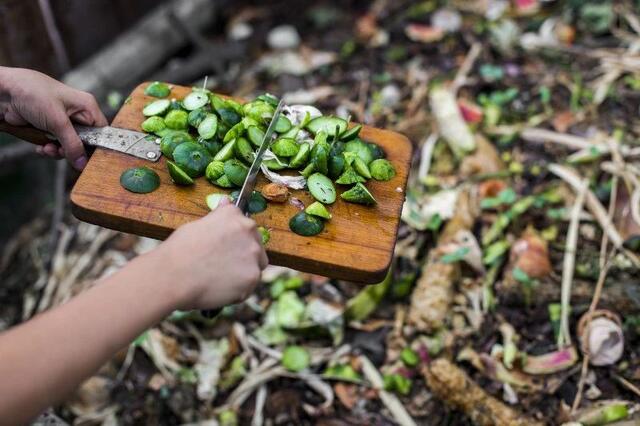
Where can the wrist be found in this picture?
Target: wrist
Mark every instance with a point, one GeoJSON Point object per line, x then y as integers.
{"type": "Point", "coordinates": [157, 269]}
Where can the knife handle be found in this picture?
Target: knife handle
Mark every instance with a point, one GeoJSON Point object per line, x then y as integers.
{"type": "Point", "coordinates": [27, 133]}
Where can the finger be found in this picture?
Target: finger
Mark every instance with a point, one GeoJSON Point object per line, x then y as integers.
{"type": "Point", "coordinates": [39, 150]}
{"type": "Point", "coordinates": [70, 141]}
{"type": "Point", "coordinates": [50, 150]}
{"type": "Point", "coordinates": [263, 260]}
{"type": "Point", "coordinates": [90, 113]}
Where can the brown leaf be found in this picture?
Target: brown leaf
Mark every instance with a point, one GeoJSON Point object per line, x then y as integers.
{"type": "Point", "coordinates": [563, 120]}
{"type": "Point", "coordinates": [347, 394]}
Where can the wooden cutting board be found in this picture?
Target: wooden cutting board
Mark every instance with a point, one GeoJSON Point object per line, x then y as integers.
{"type": "Point", "coordinates": [356, 245]}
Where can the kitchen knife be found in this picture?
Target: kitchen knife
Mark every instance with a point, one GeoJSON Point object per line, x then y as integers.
{"type": "Point", "coordinates": [129, 142]}
{"type": "Point", "coordinates": [250, 181]}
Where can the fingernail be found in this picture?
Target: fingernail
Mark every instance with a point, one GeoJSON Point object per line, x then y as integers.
{"type": "Point", "coordinates": [80, 163]}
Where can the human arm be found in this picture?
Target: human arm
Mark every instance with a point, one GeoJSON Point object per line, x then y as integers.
{"type": "Point", "coordinates": [30, 97]}
{"type": "Point", "coordinates": [205, 264]}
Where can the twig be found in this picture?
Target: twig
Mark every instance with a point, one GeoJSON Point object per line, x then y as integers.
{"type": "Point", "coordinates": [390, 401]}
{"type": "Point", "coordinates": [466, 66]}
{"type": "Point", "coordinates": [538, 135]}
{"type": "Point", "coordinates": [564, 337]}
{"type": "Point", "coordinates": [627, 384]}
{"type": "Point", "coordinates": [261, 399]}
{"type": "Point", "coordinates": [594, 303]}
{"type": "Point", "coordinates": [425, 156]}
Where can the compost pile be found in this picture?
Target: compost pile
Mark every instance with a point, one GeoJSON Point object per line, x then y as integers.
{"type": "Point", "coordinates": [514, 292]}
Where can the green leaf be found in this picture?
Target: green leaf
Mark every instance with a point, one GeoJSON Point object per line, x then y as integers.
{"type": "Point", "coordinates": [521, 276]}
{"type": "Point", "coordinates": [409, 357]}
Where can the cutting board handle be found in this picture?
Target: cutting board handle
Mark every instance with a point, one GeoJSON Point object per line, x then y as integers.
{"type": "Point", "coordinates": [26, 133]}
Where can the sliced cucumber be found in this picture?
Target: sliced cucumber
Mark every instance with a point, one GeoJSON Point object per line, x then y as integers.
{"type": "Point", "coordinates": [192, 158]}
{"type": "Point", "coordinates": [243, 150]}
{"type": "Point", "coordinates": [208, 127]}
{"type": "Point", "coordinates": [306, 225]}
{"type": "Point", "coordinates": [359, 194]}
{"type": "Point", "coordinates": [235, 171]}
{"type": "Point", "coordinates": [285, 148]}
{"type": "Point", "coordinates": [196, 116]}
{"type": "Point", "coordinates": [140, 180]}
{"type": "Point", "coordinates": [157, 89]}
{"type": "Point", "coordinates": [352, 133]}
{"type": "Point", "coordinates": [178, 175]}
{"type": "Point", "coordinates": [158, 107]}
{"type": "Point", "coordinates": [318, 209]}
{"type": "Point", "coordinates": [255, 135]}
{"type": "Point", "coordinates": [283, 124]}
{"type": "Point", "coordinates": [321, 188]}
{"type": "Point", "coordinates": [328, 125]}
{"type": "Point", "coordinates": [301, 157]}
{"type": "Point", "coordinates": [194, 100]}
{"type": "Point", "coordinates": [213, 200]}
{"type": "Point", "coordinates": [226, 152]}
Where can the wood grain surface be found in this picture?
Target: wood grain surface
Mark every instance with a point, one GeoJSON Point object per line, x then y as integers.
{"type": "Point", "coordinates": [356, 245]}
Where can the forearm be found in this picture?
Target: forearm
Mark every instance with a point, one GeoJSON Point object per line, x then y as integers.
{"type": "Point", "coordinates": [46, 358]}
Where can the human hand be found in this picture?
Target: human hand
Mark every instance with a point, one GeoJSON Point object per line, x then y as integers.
{"type": "Point", "coordinates": [30, 97]}
{"type": "Point", "coordinates": [216, 261]}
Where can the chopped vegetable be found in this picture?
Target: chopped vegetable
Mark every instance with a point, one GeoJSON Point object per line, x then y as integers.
{"type": "Point", "coordinates": [172, 140]}
{"type": "Point", "coordinates": [322, 188]}
{"type": "Point", "coordinates": [318, 209]}
{"type": "Point", "coordinates": [153, 125]}
{"type": "Point", "coordinates": [213, 200]}
{"type": "Point", "coordinates": [195, 100]}
{"type": "Point", "coordinates": [140, 180]}
{"type": "Point", "coordinates": [179, 176]}
{"type": "Point", "coordinates": [359, 194]}
{"type": "Point", "coordinates": [235, 171]}
{"type": "Point", "coordinates": [257, 203]}
{"type": "Point", "coordinates": [285, 147]}
{"type": "Point", "coordinates": [327, 124]}
{"type": "Point", "coordinates": [214, 170]}
{"type": "Point", "coordinates": [192, 158]}
{"type": "Point", "coordinates": [264, 234]}
{"type": "Point", "coordinates": [382, 170]}
{"type": "Point", "coordinates": [306, 225]}
{"type": "Point", "coordinates": [158, 107]}
{"type": "Point", "coordinates": [177, 120]}
{"type": "Point", "coordinates": [157, 90]}
{"type": "Point", "coordinates": [208, 126]}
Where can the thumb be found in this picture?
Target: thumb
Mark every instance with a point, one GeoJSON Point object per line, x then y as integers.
{"type": "Point", "coordinates": [74, 151]}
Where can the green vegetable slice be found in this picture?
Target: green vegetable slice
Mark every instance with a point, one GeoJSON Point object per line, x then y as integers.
{"type": "Point", "coordinates": [214, 170]}
{"type": "Point", "coordinates": [376, 151]}
{"type": "Point", "coordinates": [229, 116]}
{"type": "Point", "coordinates": [285, 148]}
{"type": "Point", "coordinates": [211, 145]}
{"type": "Point", "coordinates": [257, 202]}
{"type": "Point", "coordinates": [306, 225]}
{"type": "Point", "coordinates": [359, 194]}
{"type": "Point", "coordinates": [335, 165]}
{"type": "Point", "coordinates": [234, 132]}
{"type": "Point", "coordinates": [301, 158]}
{"type": "Point", "coordinates": [196, 99]}
{"type": "Point", "coordinates": [361, 149]}
{"type": "Point", "coordinates": [158, 107]}
{"type": "Point", "coordinates": [177, 119]}
{"type": "Point", "coordinates": [308, 170]}
{"type": "Point", "coordinates": [352, 133]}
{"type": "Point", "coordinates": [213, 200]}
{"type": "Point", "coordinates": [321, 188]}
{"type": "Point", "coordinates": [179, 176]}
{"type": "Point", "coordinates": [275, 164]}
{"type": "Point", "coordinates": [140, 180]}
{"type": "Point", "coordinates": [192, 158]}
{"type": "Point", "coordinates": [153, 124]}
{"type": "Point", "coordinates": [256, 135]}
{"type": "Point", "coordinates": [283, 124]}
{"type": "Point", "coordinates": [224, 182]}
{"type": "Point", "coordinates": [172, 140]}
{"type": "Point", "coordinates": [320, 158]}
{"type": "Point", "coordinates": [226, 152]}
{"type": "Point", "coordinates": [361, 167]}
{"type": "Point", "coordinates": [382, 169]}
{"type": "Point", "coordinates": [196, 116]}
{"type": "Point", "coordinates": [264, 234]}
{"type": "Point", "coordinates": [158, 89]}
{"type": "Point", "coordinates": [327, 124]}
{"type": "Point", "coordinates": [235, 171]}
{"type": "Point", "coordinates": [318, 209]}
{"type": "Point", "coordinates": [268, 98]}
{"type": "Point", "coordinates": [208, 126]}
{"type": "Point", "coordinates": [295, 358]}
{"type": "Point", "coordinates": [349, 176]}
{"type": "Point", "coordinates": [243, 150]}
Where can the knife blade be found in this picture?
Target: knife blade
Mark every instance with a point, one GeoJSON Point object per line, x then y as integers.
{"type": "Point", "coordinates": [250, 181]}
{"type": "Point", "coordinates": [130, 142]}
